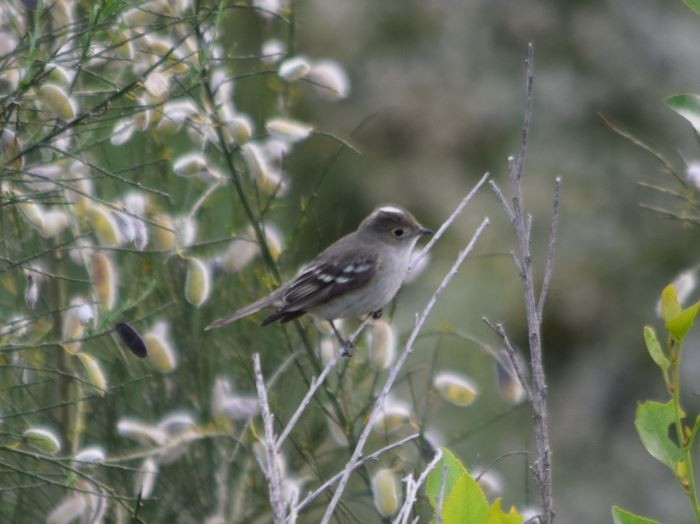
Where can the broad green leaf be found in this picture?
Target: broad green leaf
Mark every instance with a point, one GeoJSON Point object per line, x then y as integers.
{"type": "Point", "coordinates": [688, 106]}
{"type": "Point", "coordinates": [693, 4]}
{"type": "Point", "coordinates": [670, 307]}
{"type": "Point", "coordinates": [680, 324]}
{"type": "Point", "coordinates": [652, 422]}
{"type": "Point", "coordinates": [455, 469]}
{"type": "Point", "coordinates": [497, 516]}
{"type": "Point", "coordinates": [465, 503]}
{"type": "Point", "coordinates": [654, 348]}
{"type": "Point", "coordinates": [622, 516]}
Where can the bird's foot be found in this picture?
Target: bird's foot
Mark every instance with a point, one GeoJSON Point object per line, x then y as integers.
{"type": "Point", "coordinates": [346, 348]}
{"type": "Point", "coordinates": [377, 314]}
{"type": "Point", "coordinates": [345, 345]}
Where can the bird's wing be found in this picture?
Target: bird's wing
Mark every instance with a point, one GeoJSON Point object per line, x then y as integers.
{"type": "Point", "coordinates": [324, 279]}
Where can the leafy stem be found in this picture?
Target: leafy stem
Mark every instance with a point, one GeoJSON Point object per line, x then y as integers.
{"type": "Point", "coordinates": [684, 468]}
{"type": "Point", "coordinates": [653, 418]}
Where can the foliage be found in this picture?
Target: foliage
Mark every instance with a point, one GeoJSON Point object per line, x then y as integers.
{"type": "Point", "coordinates": [621, 516]}
{"type": "Point", "coordinates": [457, 497]}
{"type": "Point", "coordinates": [654, 420]}
{"type": "Point", "coordinates": [693, 4]}
{"type": "Point", "coordinates": [688, 106]}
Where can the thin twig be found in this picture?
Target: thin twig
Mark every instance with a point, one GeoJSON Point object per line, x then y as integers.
{"type": "Point", "coordinates": [549, 261]}
{"type": "Point", "coordinates": [369, 458]}
{"type": "Point", "coordinates": [412, 488]}
{"type": "Point", "coordinates": [667, 213]}
{"type": "Point", "coordinates": [641, 144]}
{"type": "Point", "coordinates": [447, 223]}
{"type": "Point", "coordinates": [394, 372]}
{"type": "Point", "coordinates": [271, 471]}
{"type": "Point", "coordinates": [518, 265]}
{"type": "Point", "coordinates": [316, 383]}
{"type": "Point", "coordinates": [513, 356]}
{"type": "Point", "coordinates": [529, 81]}
{"type": "Point", "coordinates": [203, 197]}
{"type": "Point", "coordinates": [498, 459]}
{"type": "Point", "coordinates": [499, 194]}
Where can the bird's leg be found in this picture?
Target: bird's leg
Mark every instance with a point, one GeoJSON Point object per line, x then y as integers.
{"type": "Point", "coordinates": [345, 345]}
{"type": "Point", "coordinates": [377, 314]}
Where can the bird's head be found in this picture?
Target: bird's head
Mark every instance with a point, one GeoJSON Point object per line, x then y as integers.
{"type": "Point", "coordinates": [392, 224]}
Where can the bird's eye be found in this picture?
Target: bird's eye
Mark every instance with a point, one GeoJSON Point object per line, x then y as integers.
{"type": "Point", "coordinates": [398, 232]}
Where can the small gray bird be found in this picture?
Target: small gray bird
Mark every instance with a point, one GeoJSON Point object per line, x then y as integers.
{"type": "Point", "coordinates": [357, 275]}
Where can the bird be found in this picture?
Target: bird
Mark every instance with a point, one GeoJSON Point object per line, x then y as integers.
{"type": "Point", "coordinates": [357, 275]}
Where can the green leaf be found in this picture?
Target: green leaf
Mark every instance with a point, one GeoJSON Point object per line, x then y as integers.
{"type": "Point", "coordinates": [688, 106]}
{"type": "Point", "coordinates": [652, 422]}
{"type": "Point", "coordinates": [455, 469]}
{"type": "Point", "coordinates": [622, 516]}
{"type": "Point", "coordinates": [679, 325]}
{"type": "Point", "coordinates": [654, 348]}
{"type": "Point", "coordinates": [465, 503]}
{"type": "Point", "coordinates": [694, 5]}
{"type": "Point", "coordinates": [670, 307]}
{"type": "Point", "coordinates": [497, 516]}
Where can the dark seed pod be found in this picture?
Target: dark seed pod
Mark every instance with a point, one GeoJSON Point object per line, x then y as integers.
{"type": "Point", "coordinates": [131, 338]}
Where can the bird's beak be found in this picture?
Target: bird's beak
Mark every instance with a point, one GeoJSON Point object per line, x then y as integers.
{"type": "Point", "coordinates": [425, 231]}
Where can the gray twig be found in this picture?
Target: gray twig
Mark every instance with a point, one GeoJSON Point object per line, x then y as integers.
{"type": "Point", "coordinates": [316, 383]}
{"type": "Point", "coordinates": [549, 261]}
{"type": "Point", "coordinates": [271, 471]}
{"type": "Point", "coordinates": [369, 458]}
{"type": "Point", "coordinates": [522, 223]}
{"type": "Point", "coordinates": [499, 194]}
{"type": "Point", "coordinates": [447, 223]}
{"type": "Point", "coordinates": [513, 356]}
{"type": "Point", "coordinates": [412, 487]}
{"type": "Point", "coordinates": [394, 372]}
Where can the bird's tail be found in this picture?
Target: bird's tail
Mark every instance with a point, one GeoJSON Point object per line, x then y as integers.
{"type": "Point", "coordinates": [243, 312]}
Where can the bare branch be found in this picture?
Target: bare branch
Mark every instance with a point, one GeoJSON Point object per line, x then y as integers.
{"type": "Point", "coordinates": [518, 265]}
{"type": "Point", "coordinates": [549, 261]}
{"type": "Point", "coordinates": [639, 143]}
{"type": "Point", "coordinates": [447, 223]}
{"type": "Point", "coordinates": [502, 199]}
{"type": "Point", "coordinates": [522, 224]}
{"type": "Point", "coordinates": [203, 197]}
{"type": "Point", "coordinates": [667, 213]}
{"type": "Point", "coordinates": [271, 471]}
{"type": "Point", "coordinates": [498, 459]}
{"type": "Point", "coordinates": [512, 355]}
{"type": "Point", "coordinates": [412, 487]}
{"type": "Point", "coordinates": [369, 458]}
{"type": "Point", "coordinates": [316, 383]}
{"type": "Point", "coordinates": [394, 372]}
{"type": "Point", "coordinates": [530, 77]}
